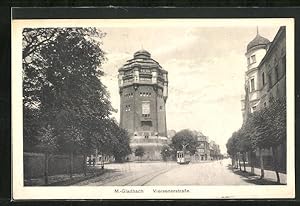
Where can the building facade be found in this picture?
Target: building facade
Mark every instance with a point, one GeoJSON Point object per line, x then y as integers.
{"type": "Point", "coordinates": [265, 80]}
{"type": "Point", "coordinates": [203, 150]}
{"type": "Point", "coordinates": [143, 88]}
{"type": "Point", "coordinates": [215, 153]}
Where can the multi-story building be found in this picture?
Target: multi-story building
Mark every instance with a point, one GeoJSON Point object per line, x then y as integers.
{"type": "Point", "coordinates": [203, 150]}
{"type": "Point", "coordinates": [265, 79]}
{"type": "Point", "coordinates": [266, 68]}
{"type": "Point", "coordinates": [215, 153]}
{"type": "Point", "coordinates": [143, 87]}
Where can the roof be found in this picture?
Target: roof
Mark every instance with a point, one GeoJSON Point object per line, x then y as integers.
{"type": "Point", "coordinates": [281, 33]}
{"type": "Point", "coordinates": [142, 58]}
{"type": "Point", "coordinates": [257, 41]}
{"type": "Point", "coordinates": [142, 54]}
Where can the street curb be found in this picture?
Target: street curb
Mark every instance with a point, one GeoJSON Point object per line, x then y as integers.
{"type": "Point", "coordinates": [69, 182]}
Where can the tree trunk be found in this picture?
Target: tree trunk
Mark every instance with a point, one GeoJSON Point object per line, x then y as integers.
{"type": "Point", "coordinates": [46, 168]}
{"type": "Point", "coordinates": [240, 162]}
{"type": "Point", "coordinates": [235, 162]}
{"type": "Point", "coordinates": [71, 164]}
{"type": "Point", "coordinates": [232, 162]}
{"type": "Point", "coordinates": [274, 151]}
{"type": "Point", "coordinates": [262, 172]}
{"type": "Point", "coordinates": [244, 161]}
{"type": "Point", "coordinates": [84, 164]}
{"type": "Point", "coordinates": [252, 161]}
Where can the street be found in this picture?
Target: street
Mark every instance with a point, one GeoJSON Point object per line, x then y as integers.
{"type": "Point", "coordinates": [168, 174]}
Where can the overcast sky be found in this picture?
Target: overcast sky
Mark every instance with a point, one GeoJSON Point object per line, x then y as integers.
{"type": "Point", "coordinates": [206, 69]}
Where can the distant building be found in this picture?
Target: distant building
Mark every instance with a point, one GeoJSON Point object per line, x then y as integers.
{"type": "Point", "coordinates": [203, 152]}
{"type": "Point", "coordinates": [215, 153]}
{"type": "Point", "coordinates": [143, 87]}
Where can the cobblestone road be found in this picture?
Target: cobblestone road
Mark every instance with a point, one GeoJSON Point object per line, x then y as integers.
{"type": "Point", "coordinates": [167, 173]}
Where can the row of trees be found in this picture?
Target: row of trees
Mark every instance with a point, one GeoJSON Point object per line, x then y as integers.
{"type": "Point", "coordinates": [66, 107]}
{"type": "Point", "coordinates": [263, 129]}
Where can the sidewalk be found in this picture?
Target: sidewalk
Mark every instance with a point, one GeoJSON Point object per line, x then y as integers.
{"type": "Point", "coordinates": [270, 176]}
{"type": "Point", "coordinates": [64, 179]}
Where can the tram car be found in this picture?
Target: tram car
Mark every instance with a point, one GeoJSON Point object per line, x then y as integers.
{"type": "Point", "coordinates": [183, 157]}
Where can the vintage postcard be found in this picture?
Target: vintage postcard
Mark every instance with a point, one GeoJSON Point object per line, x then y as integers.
{"type": "Point", "coordinates": [153, 108]}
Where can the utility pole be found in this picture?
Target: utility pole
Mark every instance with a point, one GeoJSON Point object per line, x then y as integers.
{"type": "Point", "coordinates": [184, 146]}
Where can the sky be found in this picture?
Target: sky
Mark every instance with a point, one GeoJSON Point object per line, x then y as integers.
{"type": "Point", "coordinates": [206, 68]}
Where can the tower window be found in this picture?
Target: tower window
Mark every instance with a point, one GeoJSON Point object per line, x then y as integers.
{"type": "Point", "coordinates": [252, 85]}
{"type": "Point", "coordinates": [161, 107]}
{"type": "Point", "coordinates": [145, 94]}
{"type": "Point", "coordinates": [127, 108]}
{"type": "Point", "coordinates": [253, 59]}
{"type": "Point", "coordinates": [248, 60]}
{"type": "Point", "coordinates": [263, 78]}
{"type": "Point", "coordinates": [146, 108]}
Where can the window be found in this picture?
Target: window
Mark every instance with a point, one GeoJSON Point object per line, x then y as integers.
{"type": "Point", "coordinates": [283, 64]}
{"type": "Point", "coordinates": [146, 108]}
{"type": "Point", "coordinates": [127, 108]}
{"type": "Point", "coordinates": [276, 73]}
{"type": "Point", "coordinates": [248, 60]}
{"type": "Point", "coordinates": [270, 80]}
{"type": "Point", "coordinates": [277, 91]}
{"type": "Point", "coordinates": [252, 85]}
{"type": "Point", "coordinates": [253, 59]}
{"type": "Point", "coordinates": [161, 107]}
{"type": "Point", "coordinates": [145, 94]}
{"type": "Point", "coordinates": [263, 79]}
{"type": "Point", "coordinates": [146, 126]}
{"type": "Point", "coordinates": [128, 95]}
{"type": "Point", "coordinates": [145, 79]}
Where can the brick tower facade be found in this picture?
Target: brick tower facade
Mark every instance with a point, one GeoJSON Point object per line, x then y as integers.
{"type": "Point", "coordinates": [143, 87]}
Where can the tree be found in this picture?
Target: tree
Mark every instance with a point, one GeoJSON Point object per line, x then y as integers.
{"type": "Point", "coordinates": [243, 144]}
{"type": "Point", "coordinates": [232, 148]}
{"type": "Point", "coordinates": [185, 139]}
{"type": "Point", "coordinates": [30, 129]}
{"type": "Point", "coordinates": [62, 91]}
{"type": "Point", "coordinates": [120, 147]}
{"type": "Point", "coordinates": [139, 152]}
{"type": "Point", "coordinates": [275, 120]}
{"type": "Point", "coordinates": [264, 129]}
{"type": "Point", "coordinates": [166, 152]}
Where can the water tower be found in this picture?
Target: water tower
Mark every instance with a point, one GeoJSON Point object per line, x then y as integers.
{"type": "Point", "coordinates": [143, 87]}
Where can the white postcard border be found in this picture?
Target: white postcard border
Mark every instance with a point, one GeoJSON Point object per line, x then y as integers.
{"type": "Point", "coordinates": [19, 191]}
